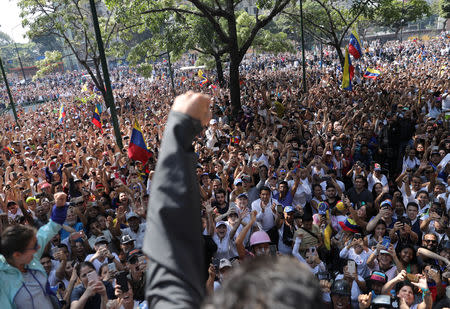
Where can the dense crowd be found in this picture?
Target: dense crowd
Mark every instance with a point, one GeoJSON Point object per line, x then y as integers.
{"type": "Point", "coordinates": [360, 175]}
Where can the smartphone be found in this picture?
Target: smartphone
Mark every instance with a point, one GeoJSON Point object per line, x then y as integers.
{"type": "Point", "coordinates": [412, 278]}
{"type": "Point", "coordinates": [386, 242]}
{"type": "Point", "coordinates": [122, 280]}
{"type": "Point", "coordinates": [357, 236]}
{"type": "Point", "coordinates": [92, 276]}
{"type": "Point", "coordinates": [351, 266]}
{"type": "Point", "coordinates": [216, 263]}
{"type": "Point", "coordinates": [273, 250]}
{"type": "Point", "coordinates": [312, 250]}
{"type": "Point", "coordinates": [279, 208]}
{"type": "Point", "coordinates": [112, 267]}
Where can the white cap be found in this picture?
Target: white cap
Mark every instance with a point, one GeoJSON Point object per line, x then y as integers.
{"type": "Point", "coordinates": [225, 263]}
{"type": "Point", "coordinates": [212, 121]}
{"type": "Point", "coordinates": [220, 223]}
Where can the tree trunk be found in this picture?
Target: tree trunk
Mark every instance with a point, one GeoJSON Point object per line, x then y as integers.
{"type": "Point", "coordinates": [219, 69]}
{"type": "Point", "coordinates": [235, 89]}
{"type": "Point", "coordinates": [340, 55]}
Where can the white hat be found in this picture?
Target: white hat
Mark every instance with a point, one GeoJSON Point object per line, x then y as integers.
{"type": "Point", "coordinates": [224, 263]}
{"type": "Point", "coordinates": [212, 121]}
{"type": "Point", "coordinates": [220, 223]}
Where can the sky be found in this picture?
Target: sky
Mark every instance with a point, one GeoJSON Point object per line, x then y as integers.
{"type": "Point", "coordinates": [10, 21]}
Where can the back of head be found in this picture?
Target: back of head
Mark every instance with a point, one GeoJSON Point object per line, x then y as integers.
{"type": "Point", "coordinates": [268, 282]}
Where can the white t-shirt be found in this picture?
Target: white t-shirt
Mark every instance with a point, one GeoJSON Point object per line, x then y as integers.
{"type": "Point", "coordinates": [138, 237]}
{"type": "Point", "coordinates": [265, 220]}
{"type": "Point", "coordinates": [97, 263]}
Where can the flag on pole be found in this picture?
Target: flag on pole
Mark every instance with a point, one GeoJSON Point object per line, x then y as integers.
{"type": "Point", "coordinates": [62, 113]}
{"type": "Point", "coordinates": [201, 74]}
{"type": "Point", "coordinates": [372, 73]}
{"type": "Point", "coordinates": [347, 73]}
{"type": "Point", "coordinates": [354, 45]}
{"type": "Point", "coordinates": [137, 149]}
{"type": "Point", "coordinates": [96, 120]}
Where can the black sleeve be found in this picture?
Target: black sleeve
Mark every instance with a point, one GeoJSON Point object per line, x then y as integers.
{"type": "Point", "coordinates": [173, 241]}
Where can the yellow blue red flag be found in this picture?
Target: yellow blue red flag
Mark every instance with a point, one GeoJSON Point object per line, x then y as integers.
{"type": "Point", "coordinates": [347, 73]}
{"type": "Point", "coordinates": [354, 45]}
{"type": "Point", "coordinates": [372, 73]}
{"type": "Point", "coordinates": [137, 149]}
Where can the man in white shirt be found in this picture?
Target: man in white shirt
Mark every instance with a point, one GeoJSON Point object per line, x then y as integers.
{"type": "Point", "coordinates": [135, 229]}
{"type": "Point", "coordinates": [376, 177]}
{"type": "Point", "coordinates": [266, 210]}
{"type": "Point", "coordinates": [259, 156]}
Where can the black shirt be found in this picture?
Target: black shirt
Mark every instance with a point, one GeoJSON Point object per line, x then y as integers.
{"type": "Point", "coordinates": [94, 301]}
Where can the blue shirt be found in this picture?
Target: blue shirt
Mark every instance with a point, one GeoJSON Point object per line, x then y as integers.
{"type": "Point", "coordinates": [286, 201]}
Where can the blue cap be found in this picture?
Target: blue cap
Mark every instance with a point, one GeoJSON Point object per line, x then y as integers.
{"type": "Point", "coordinates": [243, 195]}
{"type": "Point", "coordinates": [288, 209]}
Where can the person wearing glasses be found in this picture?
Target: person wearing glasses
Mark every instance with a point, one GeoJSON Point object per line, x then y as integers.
{"type": "Point", "coordinates": [24, 282]}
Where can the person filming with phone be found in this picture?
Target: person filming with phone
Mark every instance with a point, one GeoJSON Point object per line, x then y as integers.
{"type": "Point", "coordinates": [91, 293]}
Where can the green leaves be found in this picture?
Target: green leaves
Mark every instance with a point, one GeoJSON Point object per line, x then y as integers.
{"type": "Point", "coordinates": [48, 64]}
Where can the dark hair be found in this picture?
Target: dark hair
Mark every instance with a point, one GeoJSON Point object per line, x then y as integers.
{"type": "Point", "coordinates": [284, 182]}
{"type": "Point", "coordinates": [45, 255]}
{"type": "Point", "coordinates": [284, 281]}
{"type": "Point", "coordinates": [83, 264]}
{"type": "Point", "coordinates": [401, 284]}
{"type": "Point", "coordinates": [413, 204]}
{"type": "Point", "coordinates": [264, 188]}
{"type": "Point", "coordinates": [220, 190]}
{"type": "Point", "coordinates": [16, 238]}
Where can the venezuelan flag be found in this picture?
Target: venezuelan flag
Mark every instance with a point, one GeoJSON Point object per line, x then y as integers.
{"type": "Point", "coordinates": [348, 72]}
{"type": "Point", "coordinates": [201, 74]}
{"type": "Point", "coordinates": [137, 149]}
{"type": "Point", "coordinates": [372, 73]}
{"type": "Point", "coordinates": [354, 45]}
{"type": "Point", "coordinates": [203, 82]}
{"type": "Point", "coordinates": [96, 120]}
{"type": "Point", "coordinates": [62, 113]}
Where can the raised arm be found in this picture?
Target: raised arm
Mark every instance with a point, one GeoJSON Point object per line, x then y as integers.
{"type": "Point", "coordinates": [173, 241]}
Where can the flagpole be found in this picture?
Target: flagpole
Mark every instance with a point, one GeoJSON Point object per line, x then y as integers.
{"type": "Point", "coordinates": [303, 48]}
{"type": "Point", "coordinates": [171, 74]}
{"type": "Point", "coordinates": [13, 106]}
{"type": "Point", "coordinates": [109, 98]}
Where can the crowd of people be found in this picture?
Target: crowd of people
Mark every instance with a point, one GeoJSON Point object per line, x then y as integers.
{"type": "Point", "coordinates": [352, 184]}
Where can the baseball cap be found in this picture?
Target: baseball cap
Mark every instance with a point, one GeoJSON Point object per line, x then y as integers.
{"type": "Point", "coordinates": [133, 254]}
{"type": "Point", "coordinates": [328, 153]}
{"type": "Point", "coordinates": [126, 239]}
{"type": "Point", "coordinates": [386, 203]}
{"type": "Point", "coordinates": [378, 277]}
{"type": "Point", "coordinates": [243, 195]}
{"type": "Point", "coordinates": [237, 181]}
{"type": "Point", "coordinates": [101, 240]}
{"type": "Point", "coordinates": [31, 199]}
{"type": "Point", "coordinates": [384, 252]}
{"type": "Point", "coordinates": [220, 223]}
{"type": "Point", "coordinates": [212, 121]}
{"type": "Point", "coordinates": [288, 209]}
{"type": "Point", "coordinates": [377, 167]}
{"type": "Point", "coordinates": [225, 263]}
{"type": "Point", "coordinates": [130, 215]}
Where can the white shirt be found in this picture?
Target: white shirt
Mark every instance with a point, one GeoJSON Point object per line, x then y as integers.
{"type": "Point", "coordinates": [372, 180]}
{"type": "Point", "coordinates": [303, 193]}
{"type": "Point", "coordinates": [224, 246]}
{"type": "Point", "coordinates": [265, 220]}
{"type": "Point", "coordinates": [360, 260]}
{"type": "Point", "coordinates": [138, 237]}
{"type": "Point", "coordinates": [97, 263]}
